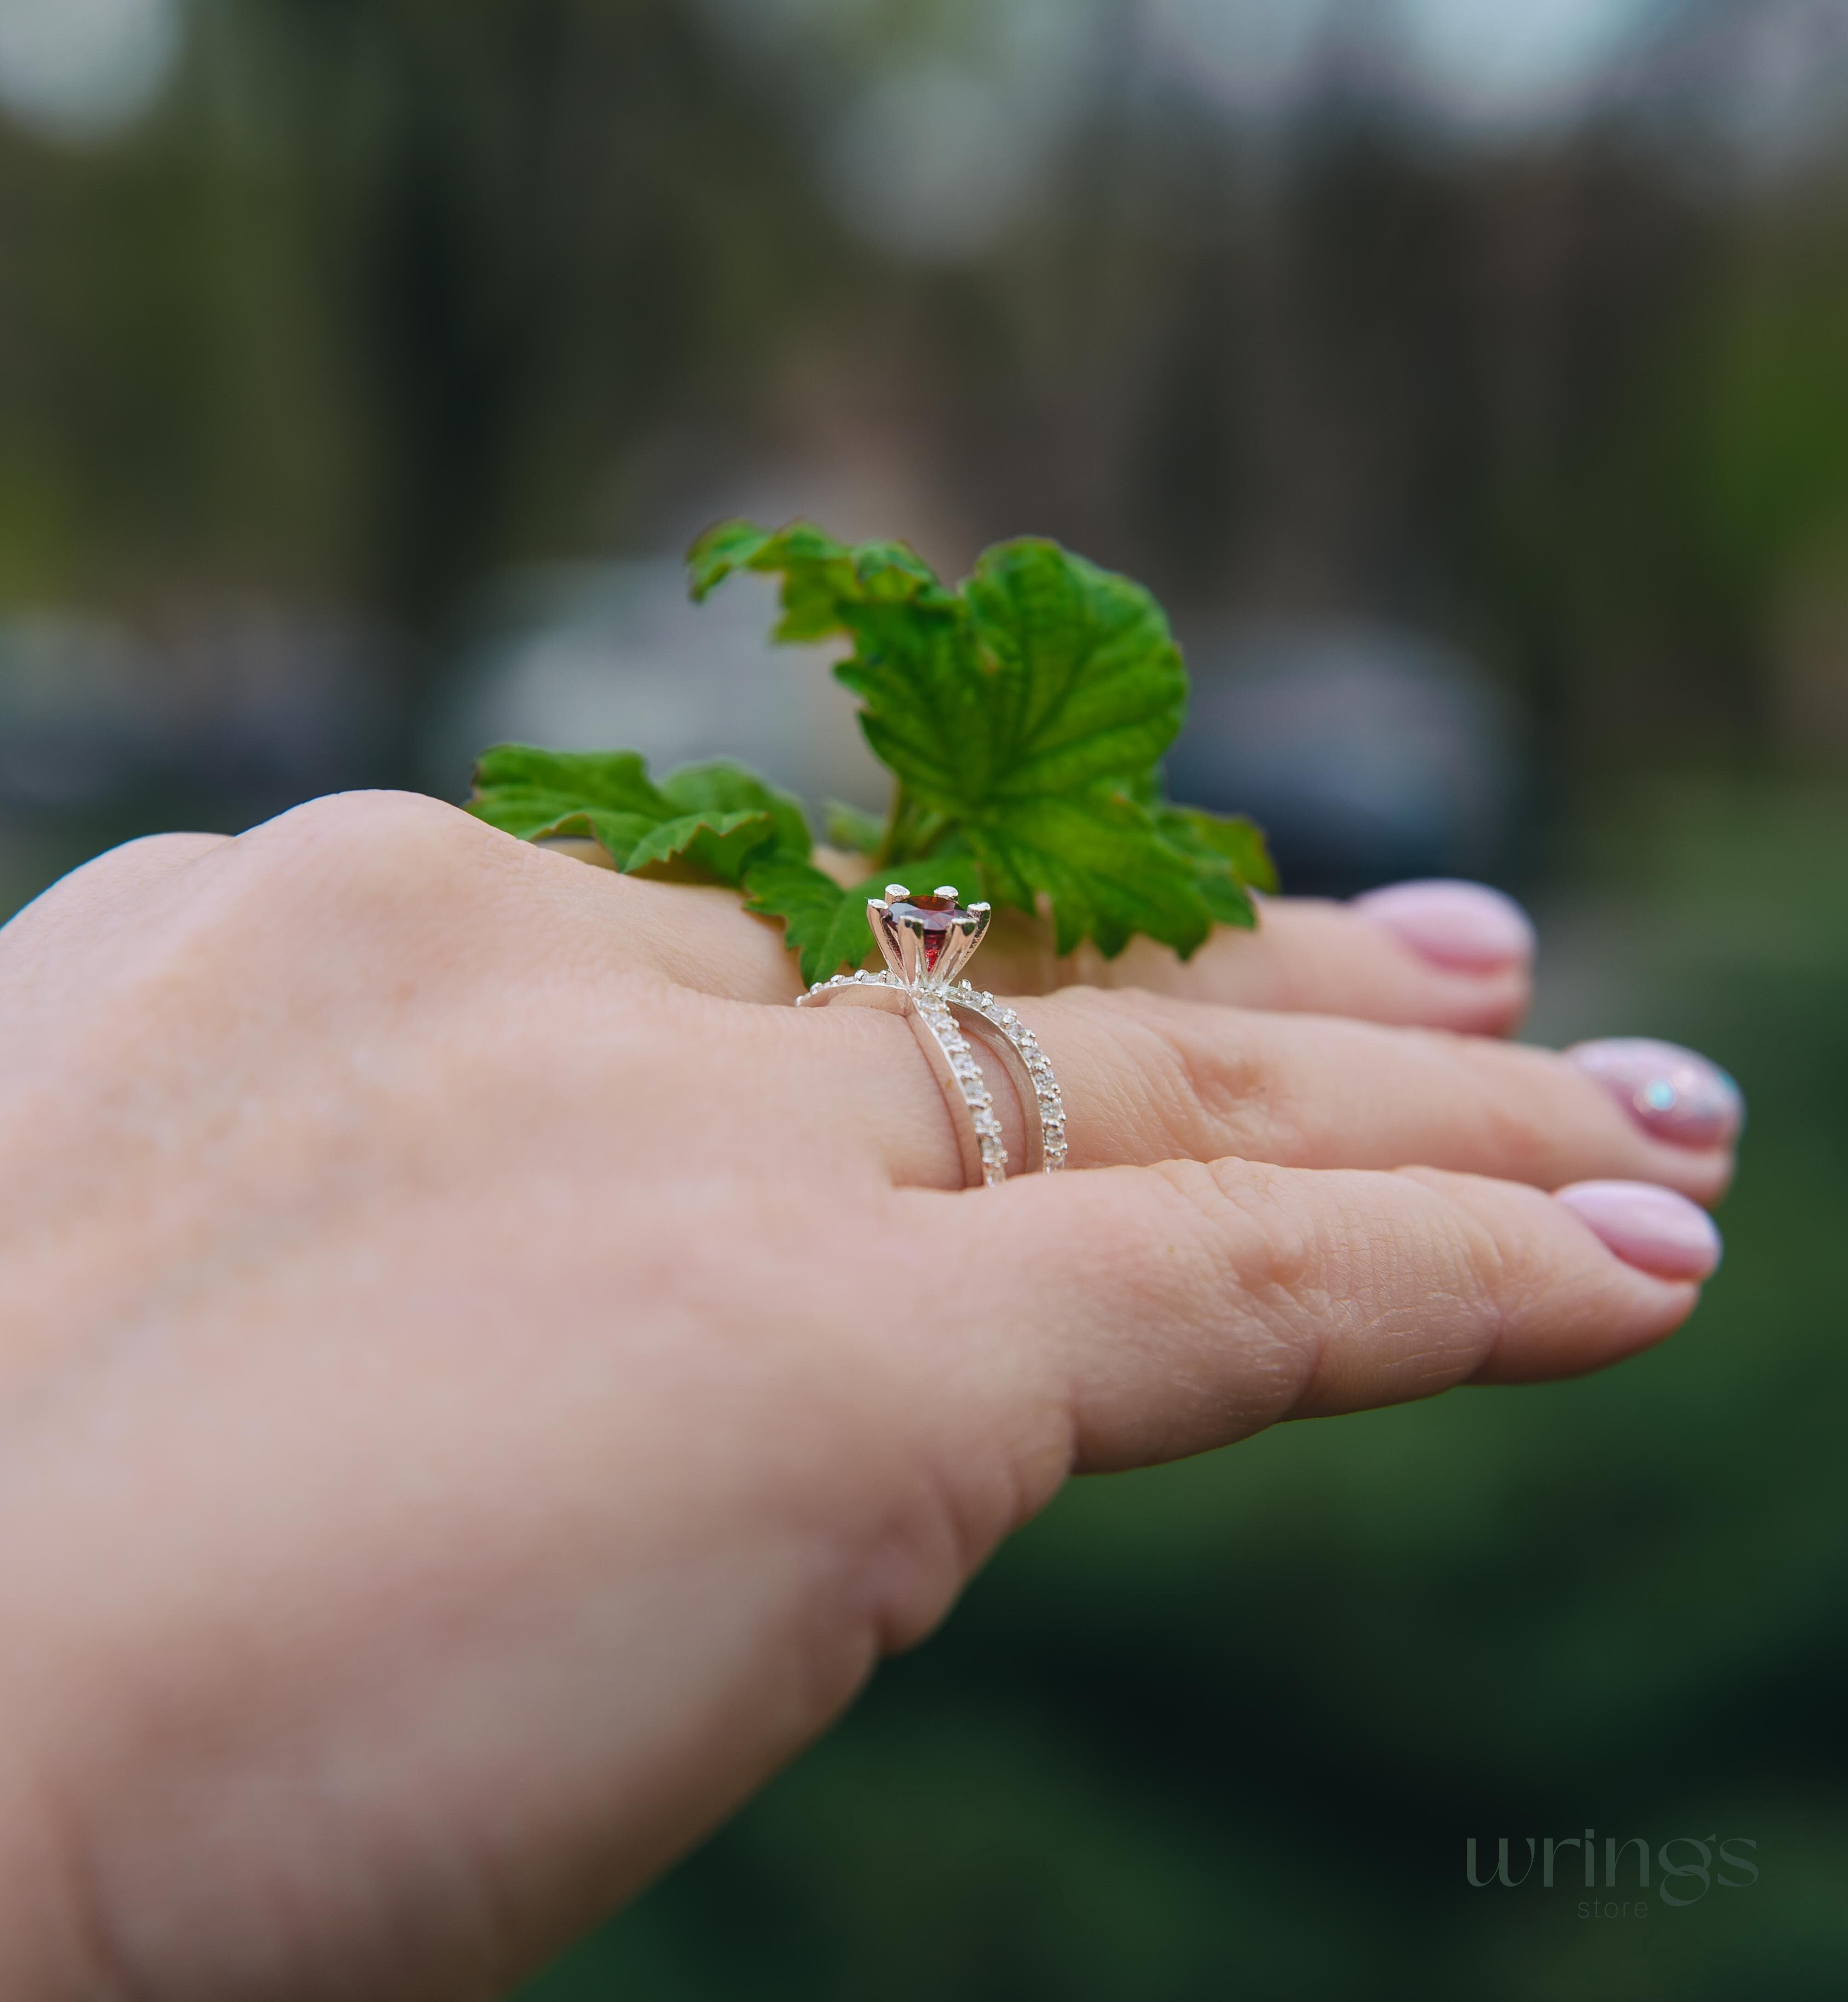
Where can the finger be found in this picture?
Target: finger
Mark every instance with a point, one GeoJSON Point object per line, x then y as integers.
{"type": "Point", "coordinates": [1448, 956]}
{"type": "Point", "coordinates": [1145, 1079]}
{"type": "Point", "coordinates": [1165, 1310]}
{"type": "Point", "coordinates": [1148, 1078]}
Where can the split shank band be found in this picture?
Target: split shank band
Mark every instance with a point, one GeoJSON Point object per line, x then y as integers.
{"type": "Point", "coordinates": [925, 943]}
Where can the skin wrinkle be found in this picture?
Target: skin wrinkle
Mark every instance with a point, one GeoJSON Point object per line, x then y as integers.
{"type": "Point", "coordinates": [1439, 1342]}
{"type": "Point", "coordinates": [1478, 1324]}
{"type": "Point", "coordinates": [1306, 1274]}
{"type": "Point", "coordinates": [1280, 1348]}
{"type": "Point", "coordinates": [1101, 1113]}
{"type": "Point", "coordinates": [1129, 1103]}
{"type": "Point", "coordinates": [1218, 1101]}
{"type": "Point", "coordinates": [1490, 1306]}
{"type": "Point", "coordinates": [1516, 1286]}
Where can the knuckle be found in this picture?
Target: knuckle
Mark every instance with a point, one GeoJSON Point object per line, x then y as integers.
{"type": "Point", "coordinates": [1189, 1084]}
{"type": "Point", "coordinates": [1230, 1088]}
{"type": "Point", "coordinates": [1251, 1226]}
{"type": "Point", "coordinates": [362, 822]}
{"type": "Point", "coordinates": [1481, 1270]}
{"type": "Point", "coordinates": [354, 888]}
{"type": "Point", "coordinates": [1276, 1262]}
{"type": "Point", "coordinates": [378, 849]}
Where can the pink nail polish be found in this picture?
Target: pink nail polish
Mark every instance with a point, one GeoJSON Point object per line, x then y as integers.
{"type": "Point", "coordinates": [1465, 926]}
{"type": "Point", "coordinates": [1652, 1229]}
{"type": "Point", "coordinates": [1668, 1091]}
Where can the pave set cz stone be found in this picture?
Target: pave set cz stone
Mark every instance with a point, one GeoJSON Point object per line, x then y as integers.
{"type": "Point", "coordinates": [925, 941]}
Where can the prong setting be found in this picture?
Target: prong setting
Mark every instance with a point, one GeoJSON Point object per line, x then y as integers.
{"type": "Point", "coordinates": [925, 940]}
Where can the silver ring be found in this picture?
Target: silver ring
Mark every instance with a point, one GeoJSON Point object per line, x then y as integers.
{"type": "Point", "coordinates": [925, 943]}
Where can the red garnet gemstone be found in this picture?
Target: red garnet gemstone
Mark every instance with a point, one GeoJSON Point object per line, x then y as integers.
{"type": "Point", "coordinates": [933, 917]}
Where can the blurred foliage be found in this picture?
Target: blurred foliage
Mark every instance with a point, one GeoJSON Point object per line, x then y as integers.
{"type": "Point", "coordinates": [374, 299]}
{"type": "Point", "coordinates": [389, 293]}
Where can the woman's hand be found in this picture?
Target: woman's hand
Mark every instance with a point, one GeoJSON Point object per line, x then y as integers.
{"type": "Point", "coordinates": [481, 1388]}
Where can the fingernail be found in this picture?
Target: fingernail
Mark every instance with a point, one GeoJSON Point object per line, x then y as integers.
{"type": "Point", "coordinates": [1465, 925]}
{"type": "Point", "coordinates": [1668, 1090]}
{"type": "Point", "coordinates": [1652, 1229]}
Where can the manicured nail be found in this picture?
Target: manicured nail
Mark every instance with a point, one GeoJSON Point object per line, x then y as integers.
{"type": "Point", "coordinates": [1466, 926]}
{"type": "Point", "coordinates": [1669, 1091]}
{"type": "Point", "coordinates": [1653, 1228]}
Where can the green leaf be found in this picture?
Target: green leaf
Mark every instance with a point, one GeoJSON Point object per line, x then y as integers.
{"type": "Point", "coordinates": [1228, 857]}
{"type": "Point", "coordinates": [1060, 675]}
{"type": "Point", "coordinates": [1085, 682]}
{"type": "Point", "coordinates": [719, 844]}
{"type": "Point", "coordinates": [713, 818]}
{"type": "Point", "coordinates": [824, 583]}
{"type": "Point", "coordinates": [1023, 709]}
{"type": "Point", "coordinates": [1101, 863]}
{"type": "Point", "coordinates": [509, 775]}
{"type": "Point", "coordinates": [723, 787]}
{"type": "Point", "coordinates": [725, 547]}
{"type": "Point", "coordinates": [825, 924]}
{"type": "Point", "coordinates": [1239, 840]}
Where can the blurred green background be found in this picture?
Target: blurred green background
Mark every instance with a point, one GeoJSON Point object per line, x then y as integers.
{"type": "Point", "coordinates": [1473, 384]}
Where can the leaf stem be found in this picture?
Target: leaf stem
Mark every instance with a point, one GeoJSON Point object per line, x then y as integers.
{"type": "Point", "coordinates": [892, 840]}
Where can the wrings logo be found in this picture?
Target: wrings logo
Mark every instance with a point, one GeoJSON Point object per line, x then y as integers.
{"type": "Point", "coordinates": [1686, 1867]}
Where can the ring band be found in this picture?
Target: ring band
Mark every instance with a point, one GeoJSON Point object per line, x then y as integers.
{"type": "Point", "coordinates": [925, 943]}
